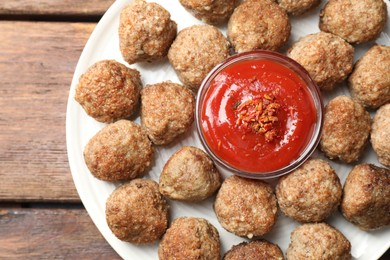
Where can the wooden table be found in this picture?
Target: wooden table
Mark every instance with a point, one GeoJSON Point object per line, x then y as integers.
{"type": "Point", "coordinates": [41, 215]}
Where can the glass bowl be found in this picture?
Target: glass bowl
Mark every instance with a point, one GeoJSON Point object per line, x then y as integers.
{"type": "Point", "coordinates": [224, 128]}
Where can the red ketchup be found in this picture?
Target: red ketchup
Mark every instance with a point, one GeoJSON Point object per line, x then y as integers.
{"type": "Point", "coordinates": [257, 115]}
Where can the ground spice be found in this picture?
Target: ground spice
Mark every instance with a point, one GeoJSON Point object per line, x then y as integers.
{"type": "Point", "coordinates": [259, 114]}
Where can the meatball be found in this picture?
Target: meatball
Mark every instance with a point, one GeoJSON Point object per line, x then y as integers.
{"type": "Point", "coordinates": [196, 50]}
{"type": "Point", "coordinates": [356, 21]}
{"type": "Point", "coordinates": [311, 193]}
{"type": "Point", "coordinates": [210, 11]}
{"type": "Point", "coordinates": [366, 200]}
{"type": "Point", "coordinates": [136, 212]}
{"type": "Point", "coordinates": [327, 58]}
{"type": "Point", "coordinates": [190, 238]}
{"type": "Point", "coordinates": [167, 111]}
{"type": "Point", "coordinates": [109, 91]}
{"type": "Point", "coordinates": [258, 24]}
{"type": "Point", "coordinates": [246, 207]}
{"type": "Point", "coordinates": [120, 151]}
{"type": "Point", "coordinates": [318, 241]}
{"type": "Point", "coordinates": [380, 134]}
{"type": "Point", "coordinates": [369, 82]}
{"type": "Point", "coordinates": [346, 129]}
{"type": "Point", "coordinates": [297, 7]}
{"type": "Point", "coordinates": [146, 32]}
{"type": "Point", "coordinates": [189, 175]}
{"type": "Point", "coordinates": [254, 250]}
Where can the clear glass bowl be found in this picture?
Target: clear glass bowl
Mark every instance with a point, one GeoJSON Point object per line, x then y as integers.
{"type": "Point", "coordinates": [312, 89]}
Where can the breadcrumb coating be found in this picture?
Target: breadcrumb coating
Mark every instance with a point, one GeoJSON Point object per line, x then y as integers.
{"type": "Point", "coordinates": [167, 111]}
{"type": "Point", "coordinates": [310, 193]}
{"type": "Point", "coordinates": [190, 238]}
{"type": "Point", "coordinates": [346, 129]}
{"type": "Point", "coordinates": [189, 175]}
{"type": "Point", "coordinates": [369, 83]}
{"type": "Point", "coordinates": [137, 213]}
{"type": "Point", "coordinates": [258, 24]}
{"type": "Point", "coordinates": [109, 91]}
{"type": "Point", "coordinates": [318, 241]}
{"type": "Point", "coordinates": [196, 50]}
{"type": "Point", "coordinates": [366, 200]}
{"type": "Point", "coordinates": [356, 21]}
{"type": "Point", "coordinates": [246, 207]}
{"type": "Point", "coordinates": [327, 58]}
{"type": "Point", "coordinates": [146, 32]}
{"type": "Point", "coordinates": [120, 151]}
{"type": "Point", "coordinates": [210, 11]}
{"type": "Point", "coordinates": [380, 134]}
{"type": "Point", "coordinates": [254, 250]}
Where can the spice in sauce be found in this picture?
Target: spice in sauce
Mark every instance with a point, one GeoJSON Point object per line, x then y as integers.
{"type": "Point", "coordinates": [257, 115]}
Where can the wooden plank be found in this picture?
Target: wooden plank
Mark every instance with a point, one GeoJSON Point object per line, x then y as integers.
{"type": "Point", "coordinates": [385, 256]}
{"type": "Point", "coordinates": [54, 234]}
{"type": "Point", "coordinates": [37, 61]}
{"type": "Point", "coordinates": [55, 7]}
{"type": "Point", "coordinates": [51, 234]}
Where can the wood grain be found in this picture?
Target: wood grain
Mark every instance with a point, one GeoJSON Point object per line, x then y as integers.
{"type": "Point", "coordinates": [55, 7]}
{"type": "Point", "coordinates": [54, 234]}
{"type": "Point", "coordinates": [51, 234]}
{"type": "Point", "coordinates": [37, 61]}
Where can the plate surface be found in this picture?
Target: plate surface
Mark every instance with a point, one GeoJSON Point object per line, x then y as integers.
{"type": "Point", "coordinates": [104, 44]}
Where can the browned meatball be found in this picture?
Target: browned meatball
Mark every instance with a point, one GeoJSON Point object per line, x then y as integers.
{"type": "Point", "coordinates": [327, 58]}
{"type": "Point", "coordinates": [254, 250]}
{"type": "Point", "coordinates": [146, 31]}
{"type": "Point", "coordinates": [196, 50]}
{"type": "Point", "coordinates": [120, 151]}
{"type": "Point", "coordinates": [356, 21]}
{"type": "Point", "coordinates": [380, 134]}
{"type": "Point", "coordinates": [346, 129]}
{"type": "Point", "coordinates": [297, 7]}
{"type": "Point", "coordinates": [190, 238]}
{"type": "Point", "coordinates": [189, 175]}
{"type": "Point", "coordinates": [210, 11]}
{"type": "Point", "coordinates": [318, 241]}
{"type": "Point", "coordinates": [369, 82]}
{"type": "Point", "coordinates": [109, 91]}
{"type": "Point", "coordinates": [167, 111]}
{"type": "Point", "coordinates": [136, 212]}
{"type": "Point", "coordinates": [258, 24]}
{"type": "Point", "coordinates": [246, 207]}
{"type": "Point", "coordinates": [311, 193]}
{"type": "Point", "coordinates": [366, 200]}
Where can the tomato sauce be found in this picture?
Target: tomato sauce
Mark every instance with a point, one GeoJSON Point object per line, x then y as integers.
{"type": "Point", "coordinates": [257, 115]}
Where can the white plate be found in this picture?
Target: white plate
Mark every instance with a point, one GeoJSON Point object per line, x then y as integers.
{"type": "Point", "coordinates": [104, 44]}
